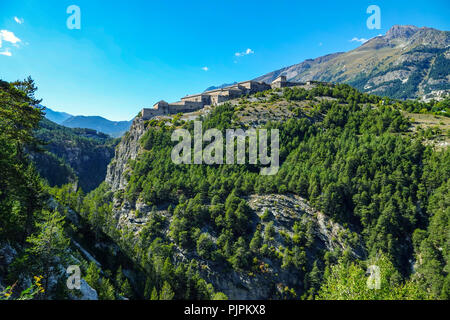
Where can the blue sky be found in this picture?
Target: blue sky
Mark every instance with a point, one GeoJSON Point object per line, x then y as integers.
{"type": "Point", "coordinates": [130, 54]}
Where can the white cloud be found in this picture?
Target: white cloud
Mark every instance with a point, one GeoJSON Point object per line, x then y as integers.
{"type": "Point", "coordinates": [205, 68]}
{"type": "Point", "coordinates": [6, 53]}
{"type": "Point", "coordinates": [18, 20]}
{"type": "Point", "coordinates": [361, 40]}
{"type": "Point", "coordinates": [245, 53]}
{"type": "Point", "coordinates": [8, 36]}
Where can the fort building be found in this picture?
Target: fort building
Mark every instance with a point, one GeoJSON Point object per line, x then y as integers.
{"type": "Point", "coordinates": [196, 102]}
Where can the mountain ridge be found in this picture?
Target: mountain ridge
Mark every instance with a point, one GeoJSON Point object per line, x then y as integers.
{"type": "Point", "coordinates": [56, 116]}
{"type": "Point", "coordinates": [113, 128]}
{"type": "Point", "coordinates": [407, 62]}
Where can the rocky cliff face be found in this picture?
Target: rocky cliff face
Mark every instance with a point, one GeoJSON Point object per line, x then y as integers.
{"type": "Point", "coordinates": [407, 62]}
{"type": "Point", "coordinates": [284, 211]}
{"type": "Point", "coordinates": [127, 149]}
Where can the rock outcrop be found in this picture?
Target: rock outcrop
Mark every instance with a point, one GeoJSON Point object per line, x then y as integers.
{"type": "Point", "coordinates": [87, 293]}
{"type": "Point", "coordinates": [127, 149]}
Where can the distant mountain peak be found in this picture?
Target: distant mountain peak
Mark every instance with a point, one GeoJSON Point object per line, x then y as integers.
{"type": "Point", "coordinates": [56, 116]}
{"type": "Point", "coordinates": [220, 87]}
{"type": "Point", "coordinates": [408, 62]}
{"type": "Point", "coordinates": [401, 31]}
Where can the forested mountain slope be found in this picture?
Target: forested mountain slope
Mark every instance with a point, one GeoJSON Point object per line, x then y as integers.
{"type": "Point", "coordinates": [346, 156]}
{"type": "Point", "coordinates": [40, 237]}
{"type": "Point", "coordinates": [73, 155]}
{"type": "Point", "coordinates": [357, 186]}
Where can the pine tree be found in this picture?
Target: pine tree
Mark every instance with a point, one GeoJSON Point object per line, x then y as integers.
{"type": "Point", "coordinates": [154, 295]}
{"type": "Point", "coordinates": [48, 245]}
{"type": "Point", "coordinates": [123, 285]}
{"type": "Point", "coordinates": [257, 240]}
{"type": "Point", "coordinates": [166, 292]}
{"type": "Point", "coordinates": [93, 275]}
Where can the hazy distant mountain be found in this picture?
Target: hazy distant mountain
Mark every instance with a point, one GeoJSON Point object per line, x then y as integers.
{"type": "Point", "coordinates": [407, 62]}
{"type": "Point", "coordinates": [113, 128]}
{"type": "Point", "coordinates": [56, 116]}
{"type": "Point", "coordinates": [220, 87]}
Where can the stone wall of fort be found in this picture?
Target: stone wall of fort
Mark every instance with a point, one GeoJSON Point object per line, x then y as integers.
{"type": "Point", "coordinates": [148, 113]}
{"type": "Point", "coordinates": [184, 106]}
{"type": "Point", "coordinates": [198, 101]}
